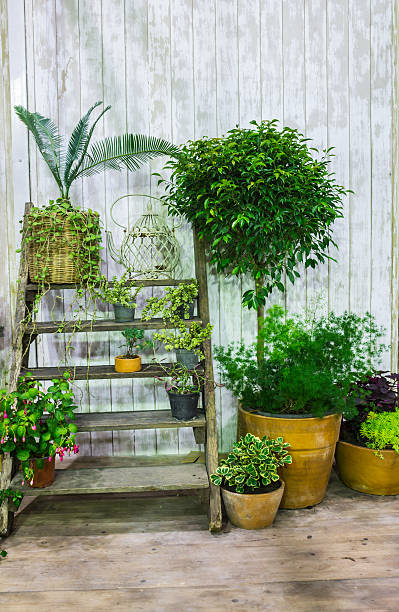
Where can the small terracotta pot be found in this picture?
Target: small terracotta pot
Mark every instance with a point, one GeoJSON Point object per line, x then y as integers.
{"type": "Point", "coordinates": [252, 510]}
{"type": "Point", "coordinates": [127, 364]}
{"type": "Point", "coordinates": [361, 469]}
{"type": "Point", "coordinates": [43, 477]}
{"type": "Point", "coordinates": [312, 445]}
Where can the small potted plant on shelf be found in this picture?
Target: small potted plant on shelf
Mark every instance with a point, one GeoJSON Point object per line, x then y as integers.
{"type": "Point", "coordinates": [367, 455]}
{"type": "Point", "coordinates": [121, 293]}
{"type": "Point", "coordinates": [130, 361]}
{"type": "Point", "coordinates": [300, 389]}
{"type": "Point", "coordinates": [250, 482]}
{"type": "Point", "coordinates": [60, 236]}
{"type": "Point", "coordinates": [36, 424]}
{"type": "Point", "coordinates": [178, 303]}
{"type": "Point", "coordinates": [187, 341]}
{"type": "Point", "coordinates": [183, 391]}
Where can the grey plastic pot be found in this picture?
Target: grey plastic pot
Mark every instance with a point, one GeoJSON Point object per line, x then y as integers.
{"type": "Point", "coordinates": [183, 407]}
{"type": "Point", "coordinates": [123, 313]}
{"type": "Point", "coordinates": [187, 358]}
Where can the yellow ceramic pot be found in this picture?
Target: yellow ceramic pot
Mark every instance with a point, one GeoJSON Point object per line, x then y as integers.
{"type": "Point", "coordinates": [361, 469]}
{"type": "Point", "coordinates": [127, 364]}
{"type": "Point", "coordinates": [253, 510]}
{"type": "Point", "coordinates": [312, 444]}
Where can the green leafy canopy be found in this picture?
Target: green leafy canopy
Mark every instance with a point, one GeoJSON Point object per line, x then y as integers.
{"type": "Point", "coordinates": [83, 158]}
{"type": "Point", "coordinates": [261, 198]}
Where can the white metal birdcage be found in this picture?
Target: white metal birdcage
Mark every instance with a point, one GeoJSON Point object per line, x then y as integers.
{"type": "Point", "coordinates": [149, 249]}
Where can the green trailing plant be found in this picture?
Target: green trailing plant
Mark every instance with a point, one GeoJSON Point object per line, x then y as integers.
{"type": "Point", "coordinates": [46, 225]}
{"type": "Point", "coordinates": [264, 201]}
{"type": "Point", "coordinates": [185, 337]}
{"type": "Point", "coordinates": [309, 365]}
{"type": "Point", "coordinates": [174, 305]}
{"type": "Point", "coordinates": [37, 423]}
{"type": "Point", "coordinates": [253, 463]}
{"type": "Point", "coordinates": [81, 157]}
{"type": "Point", "coordinates": [15, 497]}
{"type": "Point", "coordinates": [118, 291]}
{"type": "Point", "coordinates": [380, 431]}
{"type": "Point", "coordinates": [132, 344]}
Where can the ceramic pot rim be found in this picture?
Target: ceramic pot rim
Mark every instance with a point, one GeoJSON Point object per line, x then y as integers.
{"type": "Point", "coordinates": [252, 495]}
{"type": "Point", "coordinates": [288, 417]}
{"type": "Point", "coordinates": [124, 358]}
{"type": "Point", "coordinates": [368, 450]}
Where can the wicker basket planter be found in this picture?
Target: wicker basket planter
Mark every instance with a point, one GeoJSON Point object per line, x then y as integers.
{"type": "Point", "coordinates": [56, 263]}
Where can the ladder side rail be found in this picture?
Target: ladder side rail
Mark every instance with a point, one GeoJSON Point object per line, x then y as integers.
{"type": "Point", "coordinates": [18, 350]}
{"type": "Point", "coordinates": [211, 440]}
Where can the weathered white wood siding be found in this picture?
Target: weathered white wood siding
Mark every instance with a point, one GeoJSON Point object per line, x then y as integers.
{"type": "Point", "coordinates": [182, 69]}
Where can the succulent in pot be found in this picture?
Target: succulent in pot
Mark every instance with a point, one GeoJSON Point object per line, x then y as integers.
{"type": "Point", "coordinates": [300, 389]}
{"type": "Point", "coordinates": [183, 391]}
{"type": "Point", "coordinates": [121, 293]}
{"type": "Point", "coordinates": [36, 425]}
{"type": "Point", "coordinates": [130, 361]}
{"type": "Point", "coordinates": [250, 482]}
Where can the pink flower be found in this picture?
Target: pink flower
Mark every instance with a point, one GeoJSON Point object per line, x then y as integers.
{"type": "Point", "coordinates": [23, 482]}
{"type": "Point", "coordinates": [2, 441]}
{"type": "Point", "coordinates": [31, 482]}
{"type": "Point", "coordinates": [34, 427]}
{"type": "Point", "coordinates": [5, 414]}
{"type": "Point", "coordinates": [49, 458]}
{"type": "Point", "coordinates": [23, 438]}
{"type": "Point", "coordinates": [15, 439]}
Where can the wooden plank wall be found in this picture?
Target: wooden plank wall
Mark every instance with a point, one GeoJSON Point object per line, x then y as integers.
{"type": "Point", "coordinates": [182, 69]}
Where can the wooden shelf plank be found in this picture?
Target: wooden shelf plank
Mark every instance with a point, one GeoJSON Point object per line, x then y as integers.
{"type": "Point", "coordinates": [50, 327]}
{"type": "Point", "coordinates": [95, 372]}
{"type": "Point", "coordinates": [143, 419]}
{"type": "Point", "coordinates": [121, 480]}
{"type": "Point", "coordinates": [168, 282]}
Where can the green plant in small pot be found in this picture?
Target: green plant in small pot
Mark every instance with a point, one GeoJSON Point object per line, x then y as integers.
{"type": "Point", "coordinates": [130, 361]}
{"type": "Point", "coordinates": [301, 388]}
{"type": "Point", "coordinates": [367, 455]}
{"type": "Point", "coordinates": [250, 482]}
{"type": "Point", "coordinates": [183, 391]}
{"type": "Point", "coordinates": [121, 294]}
{"type": "Point", "coordinates": [186, 341]}
{"type": "Point", "coordinates": [56, 234]}
{"type": "Point", "coordinates": [176, 305]}
{"type": "Point", "coordinates": [36, 424]}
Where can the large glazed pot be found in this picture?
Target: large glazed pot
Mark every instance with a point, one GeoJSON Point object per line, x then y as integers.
{"type": "Point", "coordinates": [253, 510]}
{"type": "Point", "coordinates": [312, 444]}
{"type": "Point", "coordinates": [361, 469]}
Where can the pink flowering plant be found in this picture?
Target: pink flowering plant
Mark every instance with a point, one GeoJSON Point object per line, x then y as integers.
{"type": "Point", "coordinates": [37, 423]}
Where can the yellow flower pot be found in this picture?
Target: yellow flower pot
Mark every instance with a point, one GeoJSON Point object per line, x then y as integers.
{"type": "Point", "coordinates": [312, 444]}
{"type": "Point", "coordinates": [361, 469]}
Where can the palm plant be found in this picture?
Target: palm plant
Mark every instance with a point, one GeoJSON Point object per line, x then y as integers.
{"type": "Point", "coordinates": [80, 158]}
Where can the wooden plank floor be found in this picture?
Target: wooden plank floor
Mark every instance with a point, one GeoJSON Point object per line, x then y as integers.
{"type": "Point", "coordinates": [156, 554]}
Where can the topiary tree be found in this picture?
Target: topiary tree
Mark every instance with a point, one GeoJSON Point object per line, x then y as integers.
{"type": "Point", "coordinates": [263, 201]}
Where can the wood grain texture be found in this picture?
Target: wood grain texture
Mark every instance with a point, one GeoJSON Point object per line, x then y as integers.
{"type": "Point", "coordinates": [121, 480]}
{"type": "Point", "coordinates": [147, 554]}
{"type": "Point", "coordinates": [102, 325]}
{"type": "Point", "coordinates": [98, 372]}
{"type": "Point", "coordinates": [144, 419]}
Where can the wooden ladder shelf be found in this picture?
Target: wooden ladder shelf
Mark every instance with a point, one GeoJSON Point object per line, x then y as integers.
{"type": "Point", "coordinates": [183, 477]}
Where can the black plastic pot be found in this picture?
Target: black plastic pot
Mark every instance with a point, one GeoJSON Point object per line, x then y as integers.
{"type": "Point", "coordinates": [183, 407]}
{"type": "Point", "coordinates": [181, 310]}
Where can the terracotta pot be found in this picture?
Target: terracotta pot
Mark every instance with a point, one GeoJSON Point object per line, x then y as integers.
{"type": "Point", "coordinates": [312, 444]}
{"type": "Point", "coordinates": [43, 477]}
{"type": "Point", "coordinates": [253, 510]}
{"type": "Point", "coordinates": [360, 469]}
{"type": "Point", "coordinates": [127, 364]}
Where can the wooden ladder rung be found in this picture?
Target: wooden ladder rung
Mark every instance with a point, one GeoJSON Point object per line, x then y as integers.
{"type": "Point", "coordinates": [99, 325]}
{"type": "Point", "coordinates": [95, 372]}
{"type": "Point", "coordinates": [140, 419]}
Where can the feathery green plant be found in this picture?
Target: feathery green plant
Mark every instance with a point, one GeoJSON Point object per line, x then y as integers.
{"type": "Point", "coordinates": [80, 158]}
